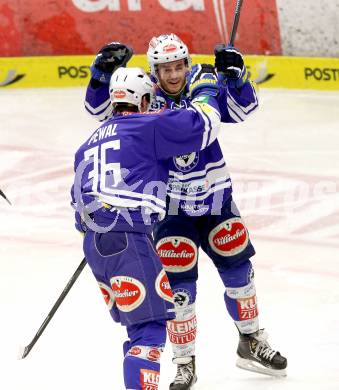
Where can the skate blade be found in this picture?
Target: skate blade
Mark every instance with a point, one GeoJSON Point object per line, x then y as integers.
{"type": "Point", "coordinates": [250, 365]}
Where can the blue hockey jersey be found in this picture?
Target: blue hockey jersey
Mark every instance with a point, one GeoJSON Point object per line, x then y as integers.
{"type": "Point", "coordinates": [122, 169]}
{"type": "Point", "coordinates": [199, 181]}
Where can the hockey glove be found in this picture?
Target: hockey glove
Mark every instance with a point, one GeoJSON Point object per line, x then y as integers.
{"type": "Point", "coordinates": [203, 80]}
{"type": "Point", "coordinates": [229, 61]}
{"type": "Point", "coordinates": [110, 57]}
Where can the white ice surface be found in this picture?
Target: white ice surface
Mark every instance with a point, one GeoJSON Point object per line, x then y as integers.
{"type": "Point", "coordinates": [284, 162]}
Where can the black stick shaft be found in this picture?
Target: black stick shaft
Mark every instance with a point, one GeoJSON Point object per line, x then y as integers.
{"type": "Point", "coordinates": [50, 315]}
{"type": "Point", "coordinates": [5, 197]}
{"type": "Point", "coordinates": [235, 22]}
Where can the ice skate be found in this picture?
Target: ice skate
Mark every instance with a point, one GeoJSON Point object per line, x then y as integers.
{"type": "Point", "coordinates": [255, 354]}
{"type": "Point", "coordinates": [185, 377]}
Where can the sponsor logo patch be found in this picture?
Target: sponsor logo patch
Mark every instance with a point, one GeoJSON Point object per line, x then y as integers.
{"type": "Point", "coordinates": [153, 355]}
{"type": "Point", "coordinates": [128, 292]}
{"type": "Point", "coordinates": [182, 332]}
{"type": "Point", "coordinates": [163, 287]}
{"type": "Point", "coordinates": [107, 294]}
{"type": "Point", "coordinates": [149, 379]}
{"type": "Point", "coordinates": [247, 308]}
{"type": "Point", "coordinates": [134, 351]}
{"type": "Point", "coordinates": [229, 238]}
{"type": "Point", "coordinates": [177, 254]}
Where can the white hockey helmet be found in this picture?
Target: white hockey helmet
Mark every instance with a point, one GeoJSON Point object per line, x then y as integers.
{"type": "Point", "coordinates": [129, 85]}
{"type": "Point", "coordinates": [166, 48]}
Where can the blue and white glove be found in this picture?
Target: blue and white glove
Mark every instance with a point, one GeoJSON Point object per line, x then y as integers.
{"type": "Point", "coordinates": [110, 57]}
{"type": "Point", "coordinates": [203, 80]}
{"type": "Point", "coordinates": [230, 63]}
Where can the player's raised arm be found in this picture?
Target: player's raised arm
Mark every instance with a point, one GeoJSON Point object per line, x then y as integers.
{"type": "Point", "coordinates": [238, 98]}
{"type": "Point", "coordinates": [194, 128]}
{"type": "Point", "coordinates": [109, 58]}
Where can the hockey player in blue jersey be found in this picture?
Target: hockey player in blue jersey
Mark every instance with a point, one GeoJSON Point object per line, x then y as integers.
{"type": "Point", "coordinates": [200, 209]}
{"type": "Point", "coordinates": [120, 192]}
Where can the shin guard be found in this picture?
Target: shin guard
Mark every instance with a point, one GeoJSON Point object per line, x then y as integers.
{"type": "Point", "coordinates": [182, 330]}
{"type": "Point", "coordinates": [240, 297]}
{"type": "Point", "coordinates": [142, 355]}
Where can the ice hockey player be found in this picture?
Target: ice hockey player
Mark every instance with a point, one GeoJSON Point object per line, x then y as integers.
{"type": "Point", "coordinates": [119, 193]}
{"type": "Point", "coordinates": [200, 210]}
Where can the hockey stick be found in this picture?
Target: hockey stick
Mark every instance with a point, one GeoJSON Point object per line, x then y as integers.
{"type": "Point", "coordinates": [26, 350]}
{"type": "Point", "coordinates": [5, 197]}
{"type": "Point", "coordinates": [235, 22]}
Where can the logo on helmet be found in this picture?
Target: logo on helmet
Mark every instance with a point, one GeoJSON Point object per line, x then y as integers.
{"type": "Point", "coordinates": [119, 94]}
{"type": "Point", "coordinates": [169, 48]}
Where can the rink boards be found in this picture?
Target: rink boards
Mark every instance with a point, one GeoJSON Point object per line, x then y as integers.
{"type": "Point", "coordinates": [267, 71]}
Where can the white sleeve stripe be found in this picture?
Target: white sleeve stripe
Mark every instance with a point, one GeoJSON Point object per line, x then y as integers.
{"type": "Point", "coordinates": [243, 108]}
{"type": "Point", "coordinates": [127, 203]}
{"type": "Point", "coordinates": [206, 127]}
{"type": "Point", "coordinates": [198, 70]}
{"type": "Point", "coordinates": [246, 111]}
{"type": "Point", "coordinates": [104, 115]}
{"type": "Point", "coordinates": [185, 176]}
{"type": "Point", "coordinates": [95, 110]}
{"type": "Point", "coordinates": [234, 116]}
{"type": "Point", "coordinates": [236, 110]}
{"type": "Point", "coordinates": [212, 124]}
{"type": "Point", "coordinates": [134, 195]}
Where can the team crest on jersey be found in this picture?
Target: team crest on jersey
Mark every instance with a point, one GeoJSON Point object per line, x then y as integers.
{"type": "Point", "coordinates": [177, 254]}
{"type": "Point", "coordinates": [107, 294]}
{"type": "Point", "coordinates": [128, 292]}
{"type": "Point", "coordinates": [229, 238]}
{"type": "Point", "coordinates": [186, 162]}
{"type": "Point", "coordinates": [162, 286]}
{"type": "Point", "coordinates": [149, 379]}
{"type": "Point", "coordinates": [177, 106]}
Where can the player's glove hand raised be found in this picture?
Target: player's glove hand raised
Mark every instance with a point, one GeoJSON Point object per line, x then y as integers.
{"type": "Point", "coordinates": [203, 80]}
{"type": "Point", "coordinates": [110, 57]}
{"type": "Point", "coordinates": [230, 62]}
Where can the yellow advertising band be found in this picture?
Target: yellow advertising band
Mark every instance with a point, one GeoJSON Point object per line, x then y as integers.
{"type": "Point", "coordinates": [266, 71]}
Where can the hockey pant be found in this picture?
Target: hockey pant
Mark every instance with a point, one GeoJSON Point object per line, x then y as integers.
{"type": "Point", "coordinates": [138, 295]}
{"type": "Point", "coordinates": [225, 239]}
